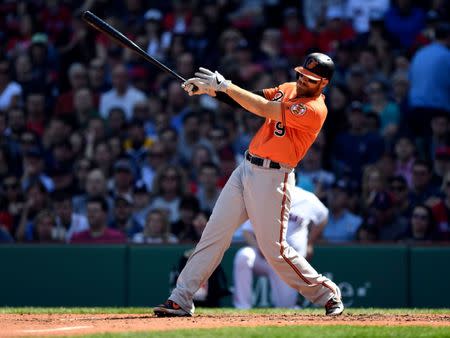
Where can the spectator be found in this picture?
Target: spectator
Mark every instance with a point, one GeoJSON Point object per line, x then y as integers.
{"type": "Point", "coordinates": [102, 158]}
{"type": "Point", "coordinates": [78, 79]}
{"type": "Point", "coordinates": [36, 112]}
{"type": "Point", "coordinates": [336, 29]}
{"type": "Point", "coordinates": [16, 124]}
{"type": "Point", "coordinates": [66, 218]}
{"type": "Point", "coordinates": [441, 164]}
{"type": "Point", "coordinates": [98, 232]}
{"type": "Point", "coordinates": [405, 156]}
{"type": "Point", "coordinates": [201, 154]}
{"type": "Point", "coordinates": [295, 49]}
{"type": "Point", "coordinates": [312, 176]}
{"type": "Point", "coordinates": [387, 110]}
{"type": "Point", "coordinates": [24, 73]}
{"type": "Point", "coordinates": [10, 91]}
{"type": "Point", "coordinates": [155, 159]}
{"type": "Point", "coordinates": [398, 188]}
{"type": "Point", "coordinates": [156, 230]}
{"type": "Point", "coordinates": [440, 135]}
{"type": "Point", "coordinates": [421, 226]}
{"type": "Point", "coordinates": [342, 225]}
{"type": "Point", "coordinates": [336, 121]}
{"type": "Point", "coordinates": [123, 179]}
{"type": "Point", "coordinates": [356, 83]}
{"type": "Point", "coordinates": [184, 228]}
{"type": "Point", "coordinates": [356, 147]}
{"type": "Point", "coordinates": [441, 210]}
{"type": "Point", "coordinates": [81, 168]}
{"type": "Point", "coordinates": [404, 21]}
{"type": "Point", "coordinates": [46, 229]}
{"type": "Point", "coordinates": [372, 67]}
{"type": "Point", "coordinates": [189, 137]}
{"type": "Point", "coordinates": [362, 13]}
{"type": "Point", "coordinates": [169, 185]}
{"type": "Point", "coordinates": [208, 190]}
{"type": "Point", "coordinates": [430, 84]}
{"type": "Point", "coordinates": [33, 169]}
{"type": "Point", "coordinates": [14, 199]}
{"type": "Point", "coordinates": [137, 144]}
{"type": "Point", "coordinates": [95, 187]}
{"type": "Point", "coordinates": [123, 220]}
{"type": "Point", "coordinates": [400, 87]}
{"type": "Point", "coordinates": [141, 207]}
{"type": "Point", "coordinates": [422, 187]}
{"type": "Point", "coordinates": [270, 48]}
{"type": "Point", "coordinates": [44, 62]}
{"type": "Point", "coordinates": [170, 139]}
{"type": "Point", "coordinates": [376, 201]}
{"type": "Point", "coordinates": [121, 95]}
{"type": "Point", "coordinates": [157, 41]}
{"type": "Point", "coordinates": [97, 76]}
{"type": "Point", "coordinates": [36, 200]}
{"type": "Point", "coordinates": [83, 107]}
{"type": "Point", "coordinates": [117, 123]}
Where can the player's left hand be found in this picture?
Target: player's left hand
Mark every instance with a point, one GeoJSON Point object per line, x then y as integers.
{"type": "Point", "coordinates": [215, 80]}
{"type": "Point", "coordinates": [202, 87]}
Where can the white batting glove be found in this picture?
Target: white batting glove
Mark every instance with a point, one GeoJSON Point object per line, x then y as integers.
{"type": "Point", "coordinates": [195, 86]}
{"type": "Point", "coordinates": [214, 80]}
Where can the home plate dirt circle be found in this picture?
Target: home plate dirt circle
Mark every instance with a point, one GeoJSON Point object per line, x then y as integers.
{"type": "Point", "coordinates": [14, 325]}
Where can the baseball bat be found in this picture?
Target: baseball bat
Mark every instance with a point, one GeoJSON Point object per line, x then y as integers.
{"type": "Point", "coordinates": [103, 27]}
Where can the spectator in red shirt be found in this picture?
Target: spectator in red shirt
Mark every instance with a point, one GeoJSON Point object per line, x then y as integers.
{"type": "Point", "coordinates": [441, 210]}
{"type": "Point", "coordinates": [335, 31]}
{"type": "Point", "coordinates": [293, 47]}
{"type": "Point", "coordinates": [98, 232]}
{"type": "Point", "coordinates": [78, 79]}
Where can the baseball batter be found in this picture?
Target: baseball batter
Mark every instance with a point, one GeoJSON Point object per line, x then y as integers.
{"type": "Point", "coordinates": [260, 188]}
{"type": "Point", "coordinates": [307, 217]}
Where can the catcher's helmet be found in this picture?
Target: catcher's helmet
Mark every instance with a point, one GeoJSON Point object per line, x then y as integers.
{"type": "Point", "coordinates": [317, 66]}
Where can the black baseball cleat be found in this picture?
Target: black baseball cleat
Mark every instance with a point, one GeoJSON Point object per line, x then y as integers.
{"type": "Point", "coordinates": [170, 309]}
{"type": "Point", "coordinates": [334, 307]}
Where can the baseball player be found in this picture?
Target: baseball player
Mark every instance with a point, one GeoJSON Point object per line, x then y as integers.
{"type": "Point", "coordinates": [260, 188]}
{"type": "Point", "coordinates": [307, 218]}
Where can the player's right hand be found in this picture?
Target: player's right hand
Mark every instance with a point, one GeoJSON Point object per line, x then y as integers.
{"type": "Point", "coordinates": [202, 87]}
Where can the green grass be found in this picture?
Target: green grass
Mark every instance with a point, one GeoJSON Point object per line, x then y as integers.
{"type": "Point", "coordinates": [294, 331]}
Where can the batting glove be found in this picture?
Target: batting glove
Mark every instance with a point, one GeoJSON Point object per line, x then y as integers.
{"type": "Point", "coordinates": [214, 80]}
{"type": "Point", "coordinates": [195, 86]}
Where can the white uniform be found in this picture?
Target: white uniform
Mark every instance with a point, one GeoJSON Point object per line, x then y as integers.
{"type": "Point", "coordinates": [306, 210]}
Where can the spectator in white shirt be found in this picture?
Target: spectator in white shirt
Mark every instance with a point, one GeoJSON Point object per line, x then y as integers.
{"type": "Point", "coordinates": [122, 94]}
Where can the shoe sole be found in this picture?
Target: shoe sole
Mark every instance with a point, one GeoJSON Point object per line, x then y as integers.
{"type": "Point", "coordinates": [161, 312]}
{"type": "Point", "coordinates": [335, 314]}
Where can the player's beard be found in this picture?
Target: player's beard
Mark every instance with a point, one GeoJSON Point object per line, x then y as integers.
{"type": "Point", "coordinates": [306, 91]}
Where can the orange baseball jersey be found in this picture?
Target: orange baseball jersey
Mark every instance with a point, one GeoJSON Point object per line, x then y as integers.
{"type": "Point", "coordinates": [302, 118]}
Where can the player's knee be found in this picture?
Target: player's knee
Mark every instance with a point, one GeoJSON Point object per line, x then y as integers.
{"type": "Point", "coordinates": [245, 258]}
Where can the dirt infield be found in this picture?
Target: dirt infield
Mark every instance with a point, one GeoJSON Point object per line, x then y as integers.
{"type": "Point", "coordinates": [13, 325]}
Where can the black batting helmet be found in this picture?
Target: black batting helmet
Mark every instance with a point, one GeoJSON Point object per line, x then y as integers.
{"type": "Point", "coordinates": [317, 66]}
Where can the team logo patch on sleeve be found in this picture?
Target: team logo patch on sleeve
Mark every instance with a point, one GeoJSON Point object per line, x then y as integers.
{"type": "Point", "coordinates": [278, 96]}
{"type": "Point", "coordinates": [298, 109]}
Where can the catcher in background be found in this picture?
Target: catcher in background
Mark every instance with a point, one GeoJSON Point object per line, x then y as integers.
{"type": "Point", "coordinates": [307, 218]}
{"type": "Point", "coordinates": [260, 188]}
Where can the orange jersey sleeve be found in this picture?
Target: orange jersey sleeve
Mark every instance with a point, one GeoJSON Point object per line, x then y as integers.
{"type": "Point", "coordinates": [302, 118]}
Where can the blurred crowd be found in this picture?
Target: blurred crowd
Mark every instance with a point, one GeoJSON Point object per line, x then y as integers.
{"type": "Point", "coordinates": [99, 146]}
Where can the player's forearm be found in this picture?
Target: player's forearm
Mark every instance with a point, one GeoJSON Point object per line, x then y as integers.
{"type": "Point", "coordinates": [315, 232]}
{"type": "Point", "coordinates": [254, 103]}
